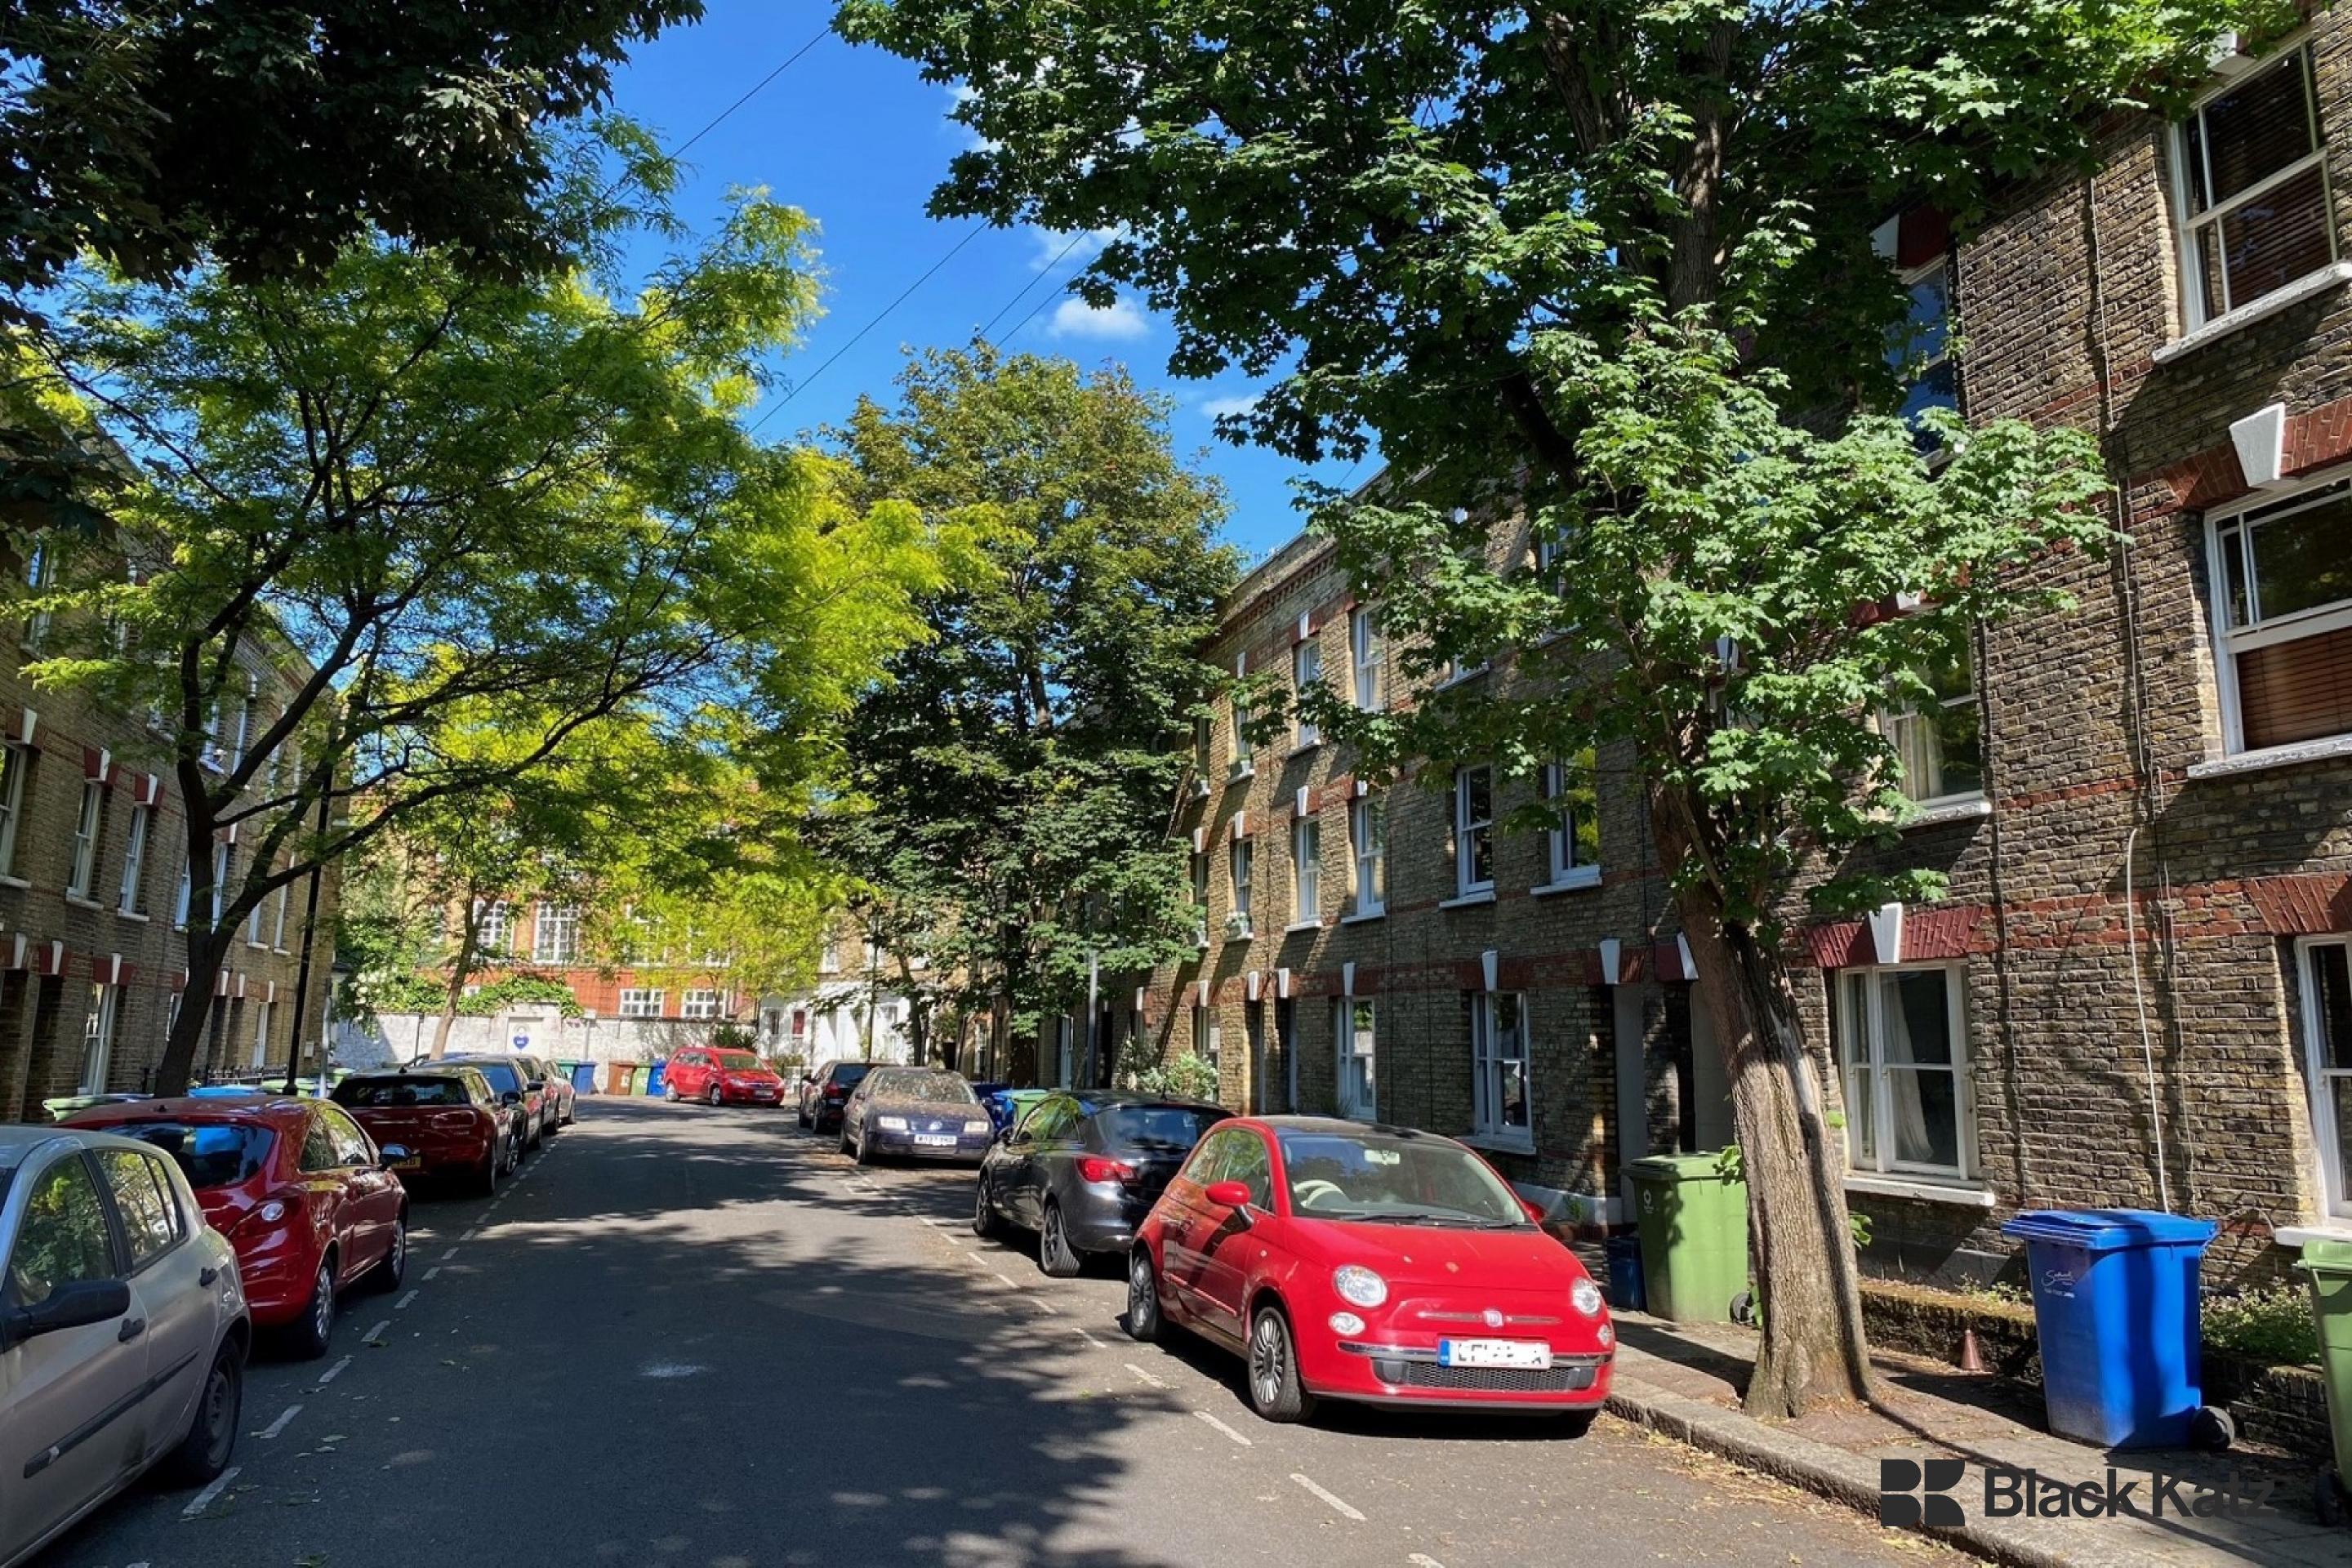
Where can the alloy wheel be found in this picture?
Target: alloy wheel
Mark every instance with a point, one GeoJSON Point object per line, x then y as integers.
{"type": "Point", "coordinates": [716, 1098]}
{"type": "Point", "coordinates": [322, 1304]}
{"type": "Point", "coordinates": [1143, 1318]}
{"type": "Point", "coordinates": [1269, 1359]}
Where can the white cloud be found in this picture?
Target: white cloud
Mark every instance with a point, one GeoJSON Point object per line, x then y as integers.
{"type": "Point", "coordinates": [959, 95]}
{"type": "Point", "coordinates": [1054, 246]}
{"type": "Point", "coordinates": [1122, 319]}
{"type": "Point", "coordinates": [1218, 407]}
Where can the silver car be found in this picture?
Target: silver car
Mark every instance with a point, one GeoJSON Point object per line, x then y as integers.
{"type": "Point", "coordinates": [122, 1329]}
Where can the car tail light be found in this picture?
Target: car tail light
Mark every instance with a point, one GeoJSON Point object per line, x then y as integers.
{"type": "Point", "coordinates": [1095, 1168]}
{"type": "Point", "coordinates": [456, 1119]}
{"type": "Point", "coordinates": [834, 1092]}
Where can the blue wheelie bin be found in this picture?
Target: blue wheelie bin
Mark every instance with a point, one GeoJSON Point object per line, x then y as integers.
{"type": "Point", "coordinates": [2116, 1304]}
{"type": "Point", "coordinates": [657, 1079]}
{"type": "Point", "coordinates": [584, 1078]}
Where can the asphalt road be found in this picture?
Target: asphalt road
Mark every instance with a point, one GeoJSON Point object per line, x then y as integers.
{"type": "Point", "coordinates": [703, 1339]}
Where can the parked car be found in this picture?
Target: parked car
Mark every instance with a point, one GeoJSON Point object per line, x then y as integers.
{"type": "Point", "coordinates": [446, 1122]}
{"type": "Point", "coordinates": [515, 1087]}
{"type": "Point", "coordinates": [722, 1076]}
{"type": "Point", "coordinates": [296, 1186]}
{"type": "Point", "coordinates": [825, 1092]}
{"type": "Point", "coordinates": [123, 1330]}
{"type": "Point", "coordinates": [562, 1101]}
{"type": "Point", "coordinates": [1084, 1169]}
{"type": "Point", "coordinates": [1348, 1261]}
{"type": "Point", "coordinates": [921, 1113]}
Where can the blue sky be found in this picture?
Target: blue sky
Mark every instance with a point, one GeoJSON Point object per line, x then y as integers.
{"type": "Point", "coordinates": [854, 137]}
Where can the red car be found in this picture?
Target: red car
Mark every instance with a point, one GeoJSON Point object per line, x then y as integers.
{"type": "Point", "coordinates": [299, 1189]}
{"type": "Point", "coordinates": [1348, 1261]}
{"type": "Point", "coordinates": [444, 1122]}
{"type": "Point", "coordinates": [721, 1077]}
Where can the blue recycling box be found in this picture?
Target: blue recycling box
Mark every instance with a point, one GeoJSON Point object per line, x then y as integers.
{"type": "Point", "coordinates": [2116, 1304]}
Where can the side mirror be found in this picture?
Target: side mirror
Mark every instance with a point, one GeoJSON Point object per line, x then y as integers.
{"type": "Point", "coordinates": [536, 1085]}
{"type": "Point", "coordinates": [68, 1307]}
{"type": "Point", "coordinates": [1534, 1210]}
{"type": "Point", "coordinates": [511, 1096]}
{"type": "Point", "coordinates": [1227, 1194]}
{"type": "Point", "coordinates": [393, 1154]}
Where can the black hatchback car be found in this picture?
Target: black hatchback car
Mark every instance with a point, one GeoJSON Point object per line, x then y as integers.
{"type": "Point", "coordinates": [825, 1092]}
{"type": "Point", "coordinates": [1082, 1171]}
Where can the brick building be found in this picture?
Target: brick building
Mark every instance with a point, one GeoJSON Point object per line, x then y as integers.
{"type": "Point", "coordinates": [2140, 988]}
{"type": "Point", "coordinates": [93, 894]}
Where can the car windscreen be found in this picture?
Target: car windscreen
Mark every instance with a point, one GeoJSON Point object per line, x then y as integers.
{"type": "Point", "coordinates": [1171, 1128]}
{"type": "Point", "coordinates": [212, 1156]}
{"type": "Point", "coordinates": [736, 1061]}
{"type": "Point", "coordinates": [1395, 1179]}
{"type": "Point", "coordinates": [397, 1091]}
{"type": "Point", "coordinates": [503, 1078]}
{"type": "Point", "coordinates": [929, 1088]}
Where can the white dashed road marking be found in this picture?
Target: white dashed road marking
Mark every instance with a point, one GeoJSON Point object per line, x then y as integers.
{"type": "Point", "coordinates": [448, 1254]}
{"type": "Point", "coordinates": [402, 1304]}
{"type": "Point", "coordinates": [1423, 1560]}
{"type": "Point", "coordinates": [374, 1336]}
{"type": "Point", "coordinates": [1222, 1427]}
{"type": "Point", "coordinates": [203, 1500]}
{"type": "Point", "coordinates": [431, 1272]}
{"type": "Point", "coordinates": [1338, 1506]}
{"type": "Point", "coordinates": [1092, 1340]}
{"type": "Point", "coordinates": [1145, 1375]}
{"type": "Point", "coordinates": [334, 1372]}
{"type": "Point", "coordinates": [469, 1235]}
{"type": "Point", "coordinates": [283, 1421]}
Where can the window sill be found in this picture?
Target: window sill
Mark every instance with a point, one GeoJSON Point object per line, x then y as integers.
{"type": "Point", "coordinates": [256, 946]}
{"type": "Point", "coordinates": [2307, 286]}
{"type": "Point", "coordinates": [82, 902]}
{"type": "Point", "coordinates": [1246, 771]}
{"type": "Point", "coordinates": [13, 882]}
{"type": "Point", "coordinates": [1301, 748]}
{"type": "Point", "coordinates": [132, 915]}
{"type": "Point", "coordinates": [1379, 914]}
{"type": "Point", "coordinates": [1964, 808]}
{"type": "Point", "coordinates": [1296, 926]}
{"type": "Point", "coordinates": [1469, 900]}
{"type": "Point", "coordinates": [1499, 1142]}
{"type": "Point", "coordinates": [1927, 1189]}
{"type": "Point", "coordinates": [1461, 677]}
{"type": "Point", "coordinates": [2273, 757]}
{"type": "Point", "coordinates": [2304, 1235]}
{"type": "Point", "coordinates": [281, 952]}
{"type": "Point", "coordinates": [1576, 880]}
{"type": "Point", "coordinates": [1235, 936]}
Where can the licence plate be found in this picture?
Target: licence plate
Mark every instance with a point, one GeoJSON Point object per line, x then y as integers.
{"type": "Point", "coordinates": [412, 1163]}
{"type": "Point", "coordinates": [1530, 1353]}
{"type": "Point", "coordinates": [935, 1139]}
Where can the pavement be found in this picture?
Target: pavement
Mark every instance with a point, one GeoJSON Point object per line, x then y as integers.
{"type": "Point", "coordinates": [699, 1338]}
{"type": "Point", "coordinates": [1682, 1380]}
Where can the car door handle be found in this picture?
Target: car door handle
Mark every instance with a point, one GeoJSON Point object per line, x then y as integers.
{"type": "Point", "coordinates": [130, 1329]}
{"type": "Point", "coordinates": [208, 1276]}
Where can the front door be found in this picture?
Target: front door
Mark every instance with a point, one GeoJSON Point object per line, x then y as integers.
{"type": "Point", "coordinates": [168, 1287]}
{"type": "Point", "coordinates": [70, 1414]}
{"type": "Point", "coordinates": [1227, 1244]}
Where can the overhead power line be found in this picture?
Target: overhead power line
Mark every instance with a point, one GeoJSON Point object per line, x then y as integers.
{"type": "Point", "coordinates": [874, 321]}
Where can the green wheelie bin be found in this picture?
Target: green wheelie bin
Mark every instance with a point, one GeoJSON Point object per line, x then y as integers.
{"type": "Point", "coordinates": [2329, 1266]}
{"type": "Point", "coordinates": [1693, 1221]}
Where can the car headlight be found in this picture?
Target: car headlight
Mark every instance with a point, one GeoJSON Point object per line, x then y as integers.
{"type": "Point", "coordinates": [1586, 1297]}
{"type": "Point", "coordinates": [895, 1123]}
{"type": "Point", "coordinates": [975, 1127]}
{"type": "Point", "coordinates": [1358, 1285]}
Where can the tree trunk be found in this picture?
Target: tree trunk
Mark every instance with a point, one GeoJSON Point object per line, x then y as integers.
{"type": "Point", "coordinates": [461, 967]}
{"type": "Point", "coordinates": [176, 1071]}
{"type": "Point", "coordinates": [1800, 1243]}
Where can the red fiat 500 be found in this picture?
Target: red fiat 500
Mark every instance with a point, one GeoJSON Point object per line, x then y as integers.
{"type": "Point", "coordinates": [297, 1187]}
{"type": "Point", "coordinates": [722, 1076]}
{"type": "Point", "coordinates": [1348, 1261]}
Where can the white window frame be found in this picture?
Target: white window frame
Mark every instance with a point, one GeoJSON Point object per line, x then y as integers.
{"type": "Point", "coordinates": [1306, 871]}
{"type": "Point", "coordinates": [1369, 855]}
{"type": "Point", "coordinates": [641, 1002]}
{"type": "Point", "coordinates": [98, 1037]}
{"type": "Point", "coordinates": [15, 761]}
{"type": "Point", "coordinates": [1356, 1037]}
{"type": "Point", "coordinates": [40, 575]}
{"type": "Point", "coordinates": [555, 933]}
{"type": "Point", "coordinates": [183, 900]}
{"type": "Point", "coordinates": [1200, 874]}
{"type": "Point", "coordinates": [2336, 1182]}
{"type": "Point", "coordinates": [2186, 224]}
{"type": "Point", "coordinates": [1468, 832]}
{"type": "Point", "coordinates": [1244, 753]}
{"type": "Point", "coordinates": [135, 859]}
{"type": "Point", "coordinates": [1306, 674]}
{"type": "Point", "coordinates": [1890, 724]}
{"type": "Point", "coordinates": [493, 927]}
{"type": "Point", "coordinates": [1489, 1062]}
{"type": "Point", "coordinates": [1562, 867]}
{"type": "Point", "coordinates": [1241, 864]}
{"type": "Point", "coordinates": [277, 921]}
{"type": "Point", "coordinates": [253, 918]}
{"type": "Point", "coordinates": [90, 820]}
{"type": "Point", "coordinates": [260, 1034]}
{"type": "Point", "coordinates": [1882, 1160]}
{"type": "Point", "coordinates": [223, 857]}
{"type": "Point", "coordinates": [700, 1003]}
{"type": "Point", "coordinates": [1364, 658]}
{"type": "Point", "coordinates": [244, 725]}
{"type": "Point", "coordinates": [2228, 642]}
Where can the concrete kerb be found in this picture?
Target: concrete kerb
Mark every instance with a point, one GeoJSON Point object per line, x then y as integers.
{"type": "Point", "coordinates": [1850, 1479]}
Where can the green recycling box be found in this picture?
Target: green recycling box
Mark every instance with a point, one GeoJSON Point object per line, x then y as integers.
{"type": "Point", "coordinates": [2329, 1266]}
{"type": "Point", "coordinates": [1693, 1221]}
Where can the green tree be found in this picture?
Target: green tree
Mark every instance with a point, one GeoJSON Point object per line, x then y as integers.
{"type": "Point", "coordinates": [1599, 269]}
{"type": "Point", "coordinates": [445, 497]}
{"type": "Point", "coordinates": [1007, 800]}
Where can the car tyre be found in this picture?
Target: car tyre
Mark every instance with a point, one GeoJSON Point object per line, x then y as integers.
{"type": "Point", "coordinates": [800, 1118]}
{"type": "Point", "coordinates": [1576, 1423]}
{"type": "Point", "coordinates": [1145, 1320]}
{"type": "Point", "coordinates": [1274, 1391]}
{"type": "Point", "coordinates": [494, 1165]}
{"type": "Point", "coordinates": [862, 1153]}
{"type": "Point", "coordinates": [1055, 1256]}
{"type": "Point", "coordinates": [203, 1453]}
{"type": "Point", "coordinates": [669, 1091]}
{"type": "Point", "coordinates": [310, 1333]}
{"type": "Point", "coordinates": [718, 1098]}
{"type": "Point", "coordinates": [387, 1274]}
{"type": "Point", "coordinates": [984, 1222]}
